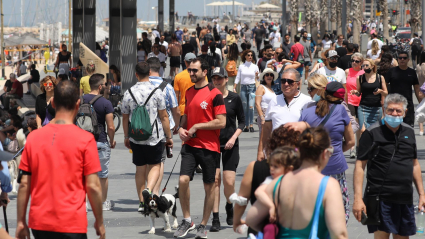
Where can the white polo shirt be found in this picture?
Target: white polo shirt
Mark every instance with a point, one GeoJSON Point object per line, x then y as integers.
{"type": "Point", "coordinates": [280, 113]}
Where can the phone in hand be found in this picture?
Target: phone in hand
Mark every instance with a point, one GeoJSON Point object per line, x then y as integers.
{"type": "Point", "coordinates": [364, 218]}
{"type": "Point", "coordinates": [376, 90]}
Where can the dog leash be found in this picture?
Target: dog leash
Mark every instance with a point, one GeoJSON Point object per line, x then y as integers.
{"type": "Point", "coordinates": [165, 187]}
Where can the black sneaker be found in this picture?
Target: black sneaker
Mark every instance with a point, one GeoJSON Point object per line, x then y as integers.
{"type": "Point", "coordinates": [141, 207]}
{"type": "Point", "coordinates": [215, 225]}
{"type": "Point", "coordinates": [246, 129]}
{"type": "Point", "coordinates": [229, 212]}
{"type": "Point", "coordinates": [28, 93]}
{"type": "Point", "coordinates": [184, 228]}
{"type": "Point", "coordinates": [202, 232]}
{"type": "Point", "coordinates": [198, 169]}
{"type": "Point", "coordinates": [251, 129]}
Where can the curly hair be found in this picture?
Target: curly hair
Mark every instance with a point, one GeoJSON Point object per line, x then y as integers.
{"type": "Point", "coordinates": [282, 136]}
{"type": "Point", "coordinates": [44, 80]}
{"type": "Point", "coordinates": [286, 156]}
{"type": "Point", "coordinates": [385, 64]}
{"type": "Point", "coordinates": [244, 53]}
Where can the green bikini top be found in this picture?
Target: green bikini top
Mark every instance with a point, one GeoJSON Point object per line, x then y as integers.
{"type": "Point", "coordinates": [320, 228]}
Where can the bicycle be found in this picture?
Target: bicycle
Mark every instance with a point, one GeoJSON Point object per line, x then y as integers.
{"type": "Point", "coordinates": [117, 111]}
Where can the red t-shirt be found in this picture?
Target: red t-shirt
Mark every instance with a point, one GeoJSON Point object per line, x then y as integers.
{"type": "Point", "coordinates": [58, 157]}
{"type": "Point", "coordinates": [297, 49]}
{"type": "Point", "coordinates": [202, 105]}
{"type": "Point", "coordinates": [19, 89]}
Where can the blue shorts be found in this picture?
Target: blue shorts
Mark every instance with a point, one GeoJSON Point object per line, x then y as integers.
{"type": "Point", "coordinates": [300, 70]}
{"type": "Point", "coordinates": [307, 63]}
{"type": "Point", "coordinates": [104, 152]}
{"type": "Point", "coordinates": [397, 219]}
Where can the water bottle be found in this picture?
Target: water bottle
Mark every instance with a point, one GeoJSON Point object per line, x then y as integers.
{"type": "Point", "coordinates": [420, 220]}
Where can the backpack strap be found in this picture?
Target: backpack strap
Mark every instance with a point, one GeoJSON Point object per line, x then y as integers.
{"type": "Point", "coordinates": [132, 96]}
{"type": "Point", "coordinates": [163, 85]}
{"type": "Point", "coordinates": [94, 99]}
{"type": "Point", "coordinates": [150, 95]}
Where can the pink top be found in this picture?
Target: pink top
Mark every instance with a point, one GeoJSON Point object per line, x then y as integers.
{"type": "Point", "coordinates": [352, 85]}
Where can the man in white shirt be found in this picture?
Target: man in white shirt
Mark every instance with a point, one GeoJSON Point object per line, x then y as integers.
{"type": "Point", "coordinates": [275, 39]}
{"type": "Point", "coordinates": [331, 71]}
{"type": "Point", "coordinates": [374, 37]}
{"type": "Point", "coordinates": [162, 42]}
{"type": "Point", "coordinates": [283, 109]}
{"type": "Point", "coordinates": [160, 56]}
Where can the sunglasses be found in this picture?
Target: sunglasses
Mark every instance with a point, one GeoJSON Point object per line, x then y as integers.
{"type": "Point", "coordinates": [364, 66]}
{"type": "Point", "coordinates": [192, 70]}
{"type": "Point", "coordinates": [402, 57]}
{"type": "Point", "coordinates": [269, 74]}
{"type": "Point", "coordinates": [334, 58]}
{"type": "Point", "coordinates": [356, 61]}
{"type": "Point", "coordinates": [48, 84]}
{"type": "Point", "coordinates": [310, 89]}
{"type": "Point", "coordinates": [289, 81]}
{"type": "Point", "coordinates": [249, 55]}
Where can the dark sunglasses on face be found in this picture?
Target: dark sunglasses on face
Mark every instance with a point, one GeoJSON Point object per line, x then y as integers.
{"type": "Point", "coordinates": [289, 81]}
{"type": "Point", "coordinates": [249, 55]}
{"type": "Point", "coordinates": [310, 89]}
{"type": "Point", "coordinates": [269, 74]}
{"type": "Point", "coordinates": [192, 70]}
{"type": "Point", "coordinates": [402, 57]}
{"type": "Point", "coordinates": [365, 66]}
{"type": "Point", "coordinates": [333, 58]}
{"type": "Point", "coordinates": [356, 61]}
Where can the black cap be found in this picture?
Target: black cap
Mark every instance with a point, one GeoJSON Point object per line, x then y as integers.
{"type": "Point", "coordinates": [219, 71]}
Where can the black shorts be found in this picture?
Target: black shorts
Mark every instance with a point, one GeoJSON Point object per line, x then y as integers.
{"type": "Point", "coordinates": [192, 157]}
{"type": "Point", "coordinates": [57, 235]}
{"type": "Point", "coordinates": [175, 61]}
{"type": "Point", "coordinates": [230, 158]}
{"type": "Point", "coordinates": [146, 154]}
{"type": "Point", "coordinates": [397, 219]}
{"type": "Point", "coordinates": [353, 110]}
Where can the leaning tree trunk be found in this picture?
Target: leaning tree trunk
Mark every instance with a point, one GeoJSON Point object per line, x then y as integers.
{"type": "Point", "coordinates": [293, 12]}
{"type": "Point", "coordinates": [333, 15]}
{"type": "Point", "coordinates": [323, 17]}
{"type": "Point", "coordinates": [315, 19]}
{"type": "Point", "coordinates": [357, 17]}
{"type": "Point", "coordinates": [308, 12]}
{"type": "Point", "coordinates": [415, 15]}
{"type": "Point", "coordinates": [339, 17]}
{"type": "Point", "coordinates": [384, 16]}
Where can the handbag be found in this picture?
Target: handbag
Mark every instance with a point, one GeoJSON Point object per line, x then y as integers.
{"type": "Point", "coordinates": [315, 225]}
{"type": "Point", "coordinates": [270, 230]}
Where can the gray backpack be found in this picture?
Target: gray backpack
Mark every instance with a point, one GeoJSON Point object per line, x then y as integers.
{"type": "Point", "coordinates": [86, 117]}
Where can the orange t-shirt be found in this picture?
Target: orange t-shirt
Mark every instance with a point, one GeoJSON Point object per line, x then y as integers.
{"type": "Point", "coordinates": [58, 157]}
{"type": "Point", "coordinates": [182, 82]}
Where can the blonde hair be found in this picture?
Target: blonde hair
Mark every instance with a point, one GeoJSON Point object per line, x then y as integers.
{"type": "Point", "coordinates": [91, 67]}
{"type": "Point", "coordinates": [318, 81]}
{"type": "Point", "coordinates": [375, 47]}
{"type": "Point", "coordinates": [185, 30]}
{"type": "Point", "coordinates": [372, 64]}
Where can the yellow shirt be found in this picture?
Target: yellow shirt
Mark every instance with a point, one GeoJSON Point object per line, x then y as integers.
{"type": "Point", "coordinates": [230, 39]}
{"type": "Point", "coordinates": [182, 82]}
{"type": "Point", "coordinates": [84, 84]}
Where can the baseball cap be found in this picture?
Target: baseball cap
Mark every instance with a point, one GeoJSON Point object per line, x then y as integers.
{"type": "Point", "coordinates": [332, 53]}
{"type": "Point", "coordinates": [335, 89]}
{"type": "Point", "coordinates": [219, 71]}
{"type": "Point", "coordinates": [189, 57]}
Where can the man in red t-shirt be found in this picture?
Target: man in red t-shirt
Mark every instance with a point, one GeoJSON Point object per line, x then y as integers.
{"type": "Point", "coordinates": [204, 116]}
{"type": "Point", "coordinates": [16, 92]}
{"type": "Point", "coordinates": [58, 168]}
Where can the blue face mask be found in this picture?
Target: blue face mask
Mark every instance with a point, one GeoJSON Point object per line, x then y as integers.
{"type": "Point", "coordinates": [393, 121]}
{"type": "Point", "coordinates": [316, 98]}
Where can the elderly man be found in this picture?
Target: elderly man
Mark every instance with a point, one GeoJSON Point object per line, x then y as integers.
{"type": "Point", "coordinates": [388, 147]}
{"type": "Point", "coordinates": [17, 91]}
{"type": "Point", "coordinates": [284, 108]}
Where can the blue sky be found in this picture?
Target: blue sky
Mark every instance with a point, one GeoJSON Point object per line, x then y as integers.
{"type": "Point", "coordinates": [56, 10]}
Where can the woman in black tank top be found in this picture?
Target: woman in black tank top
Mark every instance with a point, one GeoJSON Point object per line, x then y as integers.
{"type": "Point", "coordinates": [194, 41]}
{"type": "Point", "coordinates": [63, 61]}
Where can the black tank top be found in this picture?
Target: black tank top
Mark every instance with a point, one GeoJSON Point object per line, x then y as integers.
{"type": "Point", "coordinates": [261, 172]}
{"type": "Point", "coordinates": [193, 42]}
{"type": "Point", "coordinates": [64, 58]}
{"type": "Point", "coordinates": [368, 98]}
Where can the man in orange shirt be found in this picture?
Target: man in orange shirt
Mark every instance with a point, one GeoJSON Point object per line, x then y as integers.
{"type": "Point", "coordinates": [182, 82]}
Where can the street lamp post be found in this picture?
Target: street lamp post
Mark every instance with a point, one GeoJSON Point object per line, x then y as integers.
{"type": "Point", "coordinates": [156, 15]}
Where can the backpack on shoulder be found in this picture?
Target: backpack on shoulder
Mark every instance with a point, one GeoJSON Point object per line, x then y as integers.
{"type": "Point", "coordinates": [140, 128]}
{"type": "Point", "coordinates": [416, 46]}
{"type": "Point", "coordinates": [231, 68]}
{"type": "Point", "coordinates": [86, 117]}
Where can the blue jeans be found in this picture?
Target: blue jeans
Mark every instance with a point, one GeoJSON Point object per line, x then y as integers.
{"type": "Point", "coordinates": [368, 115]}
{"type": "Point", "coordinates": [104, 152]}
{"type": "Point", "coordinates": [248, 100]}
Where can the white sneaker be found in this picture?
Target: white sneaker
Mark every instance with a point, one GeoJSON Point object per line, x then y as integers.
{"type": "Point", "coordinates": [421, 133]}
{"type": "Point", "coordinates": [108, 205]}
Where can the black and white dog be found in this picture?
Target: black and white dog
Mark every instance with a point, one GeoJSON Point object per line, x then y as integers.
{"type": "Point", "coordinates": [162, 206]}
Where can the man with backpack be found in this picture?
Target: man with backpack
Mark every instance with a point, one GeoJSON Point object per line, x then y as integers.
{"type": "Point", "coordinates": [171, 106]}
{"type": "Point", "coordinates": [417, 46]}
{"type": "Point", "coordinates": [145, 122]}
{"type": "Point", "coordinates": [104, 114]}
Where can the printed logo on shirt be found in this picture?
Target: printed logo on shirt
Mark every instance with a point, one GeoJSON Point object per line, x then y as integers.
{"type": "Point", "coordinates": [204, 105]}
{"type": "Point", "coordinates": [331, 78]}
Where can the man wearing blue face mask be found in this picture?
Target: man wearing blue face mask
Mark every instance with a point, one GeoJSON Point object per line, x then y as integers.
{"type": "Point", "coordinates": [388, 147]}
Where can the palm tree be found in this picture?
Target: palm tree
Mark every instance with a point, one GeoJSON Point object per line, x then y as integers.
{"type": "Point", "coordinates": [357, 20]}
{"type": "Point", "coordinates": [293, 12]}
{"type": "Point", "coordinates": [323, 17]}
{"type": "Point", "coordinates": [383, 4]}
{"type": "Point", "coordinates": [415, 14]}
{"type": "Point", "coordinates": [308, 14]}
{"type": "Point", "coordinates": [333, 14]}
{"type": "Point", "coordinates": [315, 19]}
{"type": "Point", "coordinates": [339, 16]}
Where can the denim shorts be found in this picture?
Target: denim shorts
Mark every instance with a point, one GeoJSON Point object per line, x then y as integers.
{"type": "Point", "coordinates": [104, 151]}
{"type": "Point", "coordinates": [397, 219]}
{"type": "Point", "coordinates": [6, 141]}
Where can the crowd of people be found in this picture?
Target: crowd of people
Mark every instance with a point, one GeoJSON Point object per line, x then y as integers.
{"type": "Point", "coordinates": [297, 184]}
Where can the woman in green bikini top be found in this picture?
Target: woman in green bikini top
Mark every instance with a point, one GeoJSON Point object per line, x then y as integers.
{"type": "Point", "coordinates": [302, 194]}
